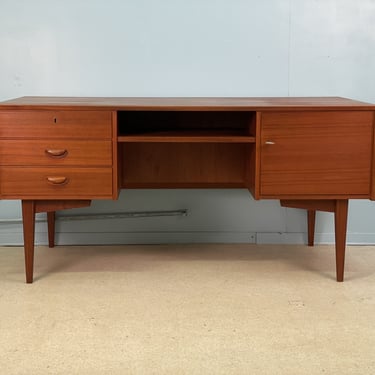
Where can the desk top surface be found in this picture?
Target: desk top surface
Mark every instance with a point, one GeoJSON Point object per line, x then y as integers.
{"type": "Point", "coordinates": [188, 103]}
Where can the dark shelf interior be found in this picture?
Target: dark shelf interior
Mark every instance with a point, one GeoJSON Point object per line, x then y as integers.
{"type": "Point", "coordinates": [185, 123]}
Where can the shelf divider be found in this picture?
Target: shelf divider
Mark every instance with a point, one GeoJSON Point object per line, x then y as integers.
{"type": "Point", "coordinates": [188, 137]}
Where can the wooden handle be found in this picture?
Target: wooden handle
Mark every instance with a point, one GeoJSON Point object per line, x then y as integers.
{"type": "Point", "coordinates": [57, 180]}
{"type": "Point", "coordinates": [56, 154]}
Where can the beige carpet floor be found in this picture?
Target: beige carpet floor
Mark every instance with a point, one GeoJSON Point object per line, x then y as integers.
{"type": "Point", "coordinates": [187, 309]}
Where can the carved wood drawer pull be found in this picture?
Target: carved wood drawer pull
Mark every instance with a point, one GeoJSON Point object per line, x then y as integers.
{"type": "Point", "coordinates": [56, 154]}
{"type": "Point", "coordinates": [57, 180]}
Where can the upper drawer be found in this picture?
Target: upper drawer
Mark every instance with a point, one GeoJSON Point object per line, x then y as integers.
{"type": "Point", "coordinates": [55, 124]}
{"type": "Point", "coordinates": [55, 152]}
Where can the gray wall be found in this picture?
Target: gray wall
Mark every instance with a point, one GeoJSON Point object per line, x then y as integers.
{"type": "Point", "coordinates": [189, 48]}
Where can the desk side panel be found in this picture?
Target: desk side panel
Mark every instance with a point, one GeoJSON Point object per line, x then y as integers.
{"type": "Point", "coordinates": [372, 197]}
{"type": "Point", "coordinates": [253, 158]}
{"type": "Point", "coordinates": [115, 158]}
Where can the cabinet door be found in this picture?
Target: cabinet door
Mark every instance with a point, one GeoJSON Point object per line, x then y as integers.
{"type": "Point", "coordinates": [316, 154]}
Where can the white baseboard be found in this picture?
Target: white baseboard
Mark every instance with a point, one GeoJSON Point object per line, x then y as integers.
{"type": "Point", "coordinates": [319, 238]}
{"type": "Point", "coordinates": [14, 237]}
{"type": "Point", "coordinates": [118, 238]}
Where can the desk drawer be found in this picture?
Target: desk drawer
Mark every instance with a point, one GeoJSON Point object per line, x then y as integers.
{"type": "Point", "coordinates": [55, 152]}
{"type": "Point", "coordinates": [56, 183]}
{"type": "Point", "coordinates": [56, 124]}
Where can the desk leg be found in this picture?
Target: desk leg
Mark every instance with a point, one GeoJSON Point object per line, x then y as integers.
{"type": "Point", "coordinates": [51, 216]}
{"type": "Point", "coordinates": [310, 227]}
{"type": "Point", "coordinates": [29, 209]}
{"type": "Point", "coordinates": [28, 216]}
{"type": "Point", "coordinates": [341, 218]}
{"type": "Point", "coordinates": [340, 209]}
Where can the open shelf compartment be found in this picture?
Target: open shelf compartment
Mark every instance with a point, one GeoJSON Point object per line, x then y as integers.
{"type": "Point", "coordinates": [186, 126]}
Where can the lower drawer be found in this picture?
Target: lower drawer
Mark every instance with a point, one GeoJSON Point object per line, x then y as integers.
{"type": "Point", "coordinates": [55, 183]}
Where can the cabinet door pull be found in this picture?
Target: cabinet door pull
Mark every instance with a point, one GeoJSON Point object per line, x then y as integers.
{"type": "Point", "coordinates": [57, 180]}
{"type": "Point", "coordinates": [56, 154]}
{"type": "Point", "coordinates": [270, 143]}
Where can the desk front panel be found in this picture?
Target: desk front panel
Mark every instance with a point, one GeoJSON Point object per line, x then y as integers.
{"type": "Point", "coordinates": [299, 153]}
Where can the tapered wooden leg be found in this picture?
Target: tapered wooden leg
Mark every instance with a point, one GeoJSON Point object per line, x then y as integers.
{"type": "Point", "coordinates": [51, 228]}
{"type": "Point", "coordinates": [29, 209]}
{"type": "Point", "coordinates": [28, 216]}
{"type": "Point", "coordinates": [340, 209]}
{"type": "Point", "coordinates": [341, 217]}
{"type": "Point", "coordinates": [310, 227]}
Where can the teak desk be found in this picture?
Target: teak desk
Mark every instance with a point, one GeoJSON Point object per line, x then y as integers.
{"type": "Point", "coordinates": [310, 153]}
